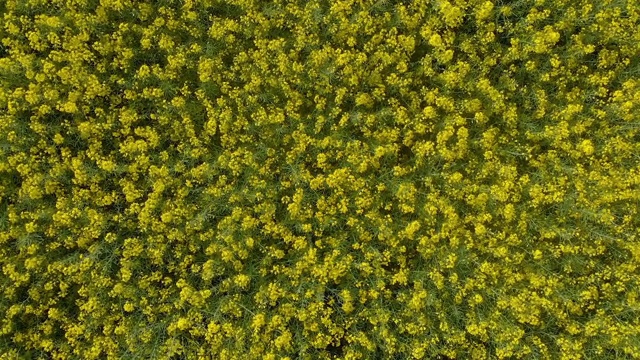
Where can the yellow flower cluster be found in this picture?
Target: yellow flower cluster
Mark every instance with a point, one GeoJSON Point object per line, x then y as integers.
{"type": "Point", "coordinates": [372, 179]}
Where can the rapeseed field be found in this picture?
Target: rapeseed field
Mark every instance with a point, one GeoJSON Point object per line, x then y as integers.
{"type": "Point", "coordinates": [319, 179]}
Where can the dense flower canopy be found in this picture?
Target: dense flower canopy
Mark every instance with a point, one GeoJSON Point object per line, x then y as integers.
{"type": "Point", "coordinates": [371, 179]}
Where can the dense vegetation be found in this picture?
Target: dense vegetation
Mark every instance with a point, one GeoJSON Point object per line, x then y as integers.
{"type": "Point", "coordinates": [369, 179]}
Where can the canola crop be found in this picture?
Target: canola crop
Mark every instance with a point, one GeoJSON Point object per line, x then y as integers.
{"type": "Point", "coordinates": [371, 179]}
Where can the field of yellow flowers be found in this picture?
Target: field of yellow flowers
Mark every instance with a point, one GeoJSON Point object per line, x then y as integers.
{"type": "Point", "coordinates": [320, 179]}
